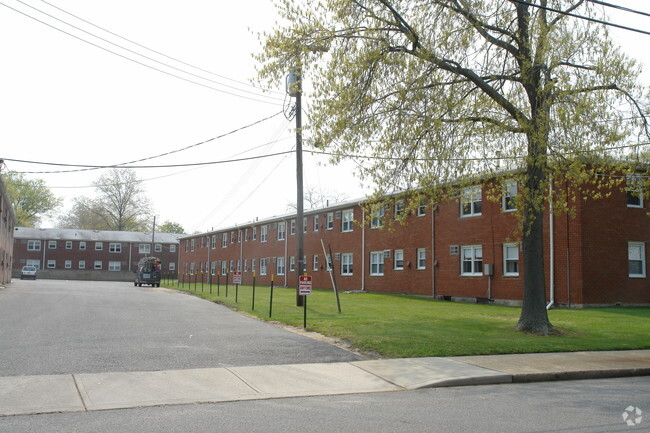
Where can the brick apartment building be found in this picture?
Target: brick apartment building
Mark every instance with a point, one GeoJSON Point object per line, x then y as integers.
{"type": "Point", "coordinates": [462, 249]}
{"type": "Point", "coordinates": [7, 222]}
{"type": "Point", "coordinates": [90, 254]}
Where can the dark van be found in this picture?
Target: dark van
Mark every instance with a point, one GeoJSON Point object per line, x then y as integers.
{"type": "Point", "coordinates": [148, 272]}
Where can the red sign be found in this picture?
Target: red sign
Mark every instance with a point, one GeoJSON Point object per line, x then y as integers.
{"type": "Point", "coordinates": [236, 277]}
{"type": "Point", "coordinates": [304, 285]}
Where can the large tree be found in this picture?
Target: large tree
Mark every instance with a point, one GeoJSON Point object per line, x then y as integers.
{"type": "Point", "coordinates": [171, 227]}
{"type": "Point", "coordinates": [30, 198]}
{"type": "Point", "coordinates": [121, 205]}
{"type": "Point", "coordinates": [450, 92]}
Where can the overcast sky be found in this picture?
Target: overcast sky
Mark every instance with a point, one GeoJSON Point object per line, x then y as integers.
{"type": "Point", "coordinates": [63, 100]}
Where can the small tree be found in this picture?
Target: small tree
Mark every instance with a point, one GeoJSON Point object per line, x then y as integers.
{"type": "Point", "coordinates": [432, 93]}
{"type": "Point", "coordinates": [171, 227]}
{"type": "Point", "coordinates": [31, 199]}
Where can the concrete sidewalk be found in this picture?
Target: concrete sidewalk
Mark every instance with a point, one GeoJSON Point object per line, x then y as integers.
{"type": "Point", "coordinates": [23, 395]}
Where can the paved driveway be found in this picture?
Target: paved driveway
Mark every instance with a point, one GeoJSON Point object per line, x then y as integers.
{"type": "Point", "coordinates": [59, 327]}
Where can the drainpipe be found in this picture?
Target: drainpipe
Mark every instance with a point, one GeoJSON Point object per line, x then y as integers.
{"type": "Point", "coordinates": [433, 252]}
{"type": "Point", "coordinates": [551, 243]}
{"type": "Point", "coordinates": [363, 249]}
{"type": "Point", "coordinates": [287, 224]}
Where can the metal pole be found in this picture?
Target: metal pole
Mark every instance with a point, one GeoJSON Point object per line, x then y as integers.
{"type": "Point", "coordinates": [299, 187]}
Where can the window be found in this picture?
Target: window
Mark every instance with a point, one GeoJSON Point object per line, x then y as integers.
{"type": "Point", "coordinates": [422, 208]}
{"type": "Point", "coordinates": [172, 248]}
{"type": "Point", "coordinates": [263, 232]}
{"type": "Point", "coordinates": [114, 266]}
{"type": "Point", "coordinates": [232, 237]}
{"type": "Point", "coordinates": [245, 235]}
{"type": "Point", "coordinates": [377, 263]}
{"type": "Point", "coordinates": [238, 264]}
{"type": "Point", "coordinates": [315, 223]}
{"type": "Point", "coordinates": [510, 260]}
{"type": "Point", "coordinates": [245, 265]}
{"type": "Point", "coordinates": [263, 266]}
{"type": "Point", "coordinates": [470, 202]}
{"type": "Point", "coordinates": [68, 245]}
{"type": "Point", "coordinates": [346, 264]}
{"type": "Point", "coordinates": [330, 220]}
{"type": "Point", "coordinates": [82, 245]}
{"type": "Point", "coordinates": [634, 191]}
{"type": "Point", "coordinates": [398, 260]}
{"type": "Point", "coordinates": [399, 208]}
{"type": "Point", "coordinates": [34, 263]}
{"type": "Point", "coordinates": [422, 258]}
{"type": "Point", "coordinates": [293, 227]}
{"type": "Point", "coordinates": [232, 266]}
{"type": "Point", "coordinates": [202, 241]}
{"type": "Point", "coordinates": [213, 242]}
{"type": "Point", "coordinates": [280, 266]}
{"type": "Point", "coordinates": [98, 264]}
{"type": "Point", "coordinates": [224, 267]}
{"type": "Point", "coordinates": [239, 236]}
{"type": "Point", "coordinates": [114, 248]}
{"type": "Point", "coordinates": [472, 260]}
{"type": "Point", "coordinates": [224, 240]}
{"type": "Point", "coordinates": [192, 244]}
{"type": "Point", "coordinates": [192, 268]}
{"type": "Point", "coordinates": [51, 264]}
{"type": "Point", "coordinates": [509, 196]}
{"type": "Point", "coordinates": [254, 233]}
{"type": "Point", "coordinates": [636, 259]}
{"type": "Point", "coordinates": [292, 264]}
{"type": "Point", "coordinates": [377, 219]}
{"type": "Point", "coordinates": [282, 230]}
{"type": "Point", "coordinates": [315, 262]}
{"type": "Point", "coordinates": [99, 246]}
{"type": "Point", "coordinates": [304, 224]}
{"type": "Point", "coordinates": [252, 265]}
{"type": "Point", "coordinates": [51, 245]}
{"type": "Point", "coordinates": [146, 248]}
{"type": "Point", "coordinates": [158, 248]}
{"type": "Point", "coordinates": [33, 245]}
{"type": "Point", "coordinates": [68, 264]}
{"type": "Point", "coordinates": [347, 220]}
{"type": "Point", "coordinates": [82, 264]}
{"type": "Point", "coordinates": [172, 266]}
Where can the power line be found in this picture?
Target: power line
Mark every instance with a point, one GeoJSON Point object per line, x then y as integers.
{"type": "Point", "coordinates": [141, 63]}
{"type": "Point", "coordinates": [122, 164]}
{"type": "Point", "coordinates": [570, 14]}
{"type": "Point", "coordinates": [622, 8]}
{"type": "Point", "coordinates": [154, 51]}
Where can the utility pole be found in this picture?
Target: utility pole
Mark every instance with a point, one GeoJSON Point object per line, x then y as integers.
{"type": "Point", "coordinates": [295, 89]}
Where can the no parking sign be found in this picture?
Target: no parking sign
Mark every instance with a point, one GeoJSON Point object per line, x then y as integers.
{"type": "Point", "coordinates": [304, 287]}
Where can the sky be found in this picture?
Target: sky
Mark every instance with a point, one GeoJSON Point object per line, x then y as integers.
{"type": "Point", "coordinates": [67, 101]}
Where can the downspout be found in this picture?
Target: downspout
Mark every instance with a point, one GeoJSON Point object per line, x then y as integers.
{"type": "Point", "coordinates": [363, 249]}
{"type": "Point", "coordinates": [287, 224]}
{"type": "Point", "coordinates": [433, 252]}
{"type": "Point", "coordinates": [551, 242]}
{"type": "Point", "coordinates": [131, 256]}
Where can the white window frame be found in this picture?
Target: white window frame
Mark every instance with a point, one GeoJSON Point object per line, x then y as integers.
{"type": "Point", "coordinates": [264, 231]}
{"type": "Point", "coordinates": [213, 242]}
{"type": "Point", "coordinates": [636, 253]}
{"type": "Point", "coordinates": [224, 267]}
{"type": "Point", "coordinates": [304, 224]}
{"type": "Point", "coordinates": [67, 264]}
{"type": "Point", "coordinates": [51, 264]}
{"type": "Point", "coordinates": [114, 247]}
{"type": "Point", "coordinates": [82, 264]}
{"type": "Point", "coordinates": [377, 263]}
{"type": "Point", "coordinates": [157, 248]}
{"type": "Point", "coordinates": [510, 191]}
{"type": "Point", "coordinates": [254, 233]}
{"type": "Point", "coordinates": [68, 245]}
{"type": "Point", "coordinates": [347, 264]}
{"type": "Point", "coordinates": [51, 245]}
{"type": "Point", "coordinates": [292, 227]}
{"type": "Point", "coordinates": [172, 266]}
{"type": "Point", "coordinates": [315, 268]}
{"type": "Point", "coordinates": [99, 246]}
{"type": "Point", "coordinates": [347, 221]}
{"type": "Point", "coordinates": [377, 220]}
{"type": "Point", "coordinates": [422, 208]}
{"type": "Point", "coordinates": [146, 248]}
{"type": "Point", "coordinates": [634, 185]}
{"type": "Point", "coordinates": [82, 245]}
{"type": "Point", "coordinates": [330, 220]}
{"type": "Point", "coordinates": [315, 223]}
{"type": "Point", "coordinates": [399, 208]}
{"type": "Point", "coordinates": [34, 263]}
{"type": "Point", "coordinates": [282, 230]}
{"type": "Point", "coordinates": [33, 245]}
{"type": "Point", "coordinates": [224, 240]}
{"type": "Point", "coordinates": [422, 258]}
{"type": "Point", "coordinates": [398, 260]}
{"type": "Point", "coordinates": [472, 254]}
{"type": "Point", "coordinates": [471, 202]}
{"type": "Point", "coordinates": [98, 264]}
{"type": "Point", "coordinates": [263, 265]}
{"type": "Point", "coordinates": [172, 248]}
{"type": "Point", "coordinates": [114, 266]}
{"type": "Point", "coordinates": [292, 264]}
{"type": "Point", "coordinates": [279, 266]}
{"type": "Point", "coordinates": [511, 255]}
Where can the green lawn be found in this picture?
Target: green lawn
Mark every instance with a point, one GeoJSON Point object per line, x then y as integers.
{"type": "Point", "coordinates": [406, 326]}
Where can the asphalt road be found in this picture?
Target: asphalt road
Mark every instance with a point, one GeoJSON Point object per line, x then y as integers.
{"type": "Point", "coordinates": [68, 327]}
{"type": "Point", "coordinates": [588, 406]}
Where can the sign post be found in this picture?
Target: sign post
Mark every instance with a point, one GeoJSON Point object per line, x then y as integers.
{"type": "Point", "coordinates": [304, 289]}
{"type": "Point", "coordinates": [236, 279]}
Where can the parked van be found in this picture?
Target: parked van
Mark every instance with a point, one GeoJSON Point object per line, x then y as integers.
{"type": "Point", "coordinates": [148, 272]}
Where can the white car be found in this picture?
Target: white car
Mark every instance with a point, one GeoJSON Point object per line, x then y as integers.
{"type": "Point", "coordinates": [28, 272]}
